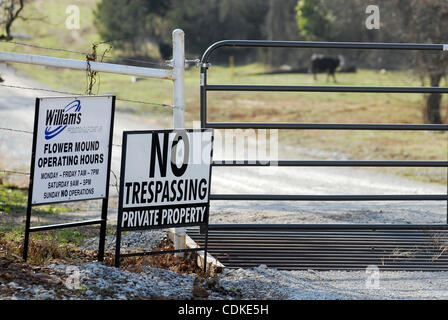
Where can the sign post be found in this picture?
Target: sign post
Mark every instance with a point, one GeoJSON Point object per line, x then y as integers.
{"type": "Point", "coordinates": [164, 183]}
{"type": "Point", "coordinates": [71, 157]}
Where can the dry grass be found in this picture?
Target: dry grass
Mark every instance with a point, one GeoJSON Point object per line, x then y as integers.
{"type": "Point", "coordinates": [48, 250]}
{"type": "Point", "coordinates": [187, 264]}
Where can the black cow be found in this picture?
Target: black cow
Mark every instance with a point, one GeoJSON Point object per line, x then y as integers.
{"type": "Point", "coordinates": [166, 51]}
{"type": "Point", "coordinates": [321, 63]}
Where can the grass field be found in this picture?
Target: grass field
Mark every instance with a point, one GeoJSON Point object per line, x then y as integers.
{"type": "Point", "coordinates": [254, 106]}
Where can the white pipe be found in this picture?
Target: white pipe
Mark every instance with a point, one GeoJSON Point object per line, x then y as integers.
{"type": "Point", "coordinates": [82, 65]}
{"type": "Point", "coordinates": [179, 108]}
{"type": "Point", "coordinates": [179, 79]}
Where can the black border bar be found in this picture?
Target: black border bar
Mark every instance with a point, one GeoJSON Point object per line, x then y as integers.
{"type": "Point", "coordinates": [325, 126]}
{"type": "Point", "coordinates": [359, 89]}
{"type": "Point", "coordinates": [295, 197]}
{"type": "Point", "coordinates": [329, 163]}
{"type": "Point", "coordinates": [318, 44]}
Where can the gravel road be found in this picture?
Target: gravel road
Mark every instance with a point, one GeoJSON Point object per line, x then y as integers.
{"type": "Point", "coordinates": [17, 110]}
{"type": "Point", "coordinates": [97, 282]}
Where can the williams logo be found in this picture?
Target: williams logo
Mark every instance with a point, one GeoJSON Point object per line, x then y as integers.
{"type": "Point", "coordinates": [58, 119]}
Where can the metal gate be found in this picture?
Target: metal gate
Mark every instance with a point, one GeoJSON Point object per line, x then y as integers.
{"type": "Point", "coordinates": [236, 245]}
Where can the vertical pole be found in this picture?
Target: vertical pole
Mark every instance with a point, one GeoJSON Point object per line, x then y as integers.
{"type": "Point", "coordinates": [205, 250]}
{"type": "Point", "coordinates": [203, 96]}
{"type": "Point", "coordinates": [27, 228]}
{"type": "Point", "coordinates": [179, 108]}
{"type": "Point", "coordinates": [179, 79]}
{"type": "Point", "coordinates": [118, 241]}
{"type": "Point", "coordinates": [124, 143]}
{"type": "Point", "coordinates": [103, 228]}
{"type": "Point", "coordinates": [31, 184]}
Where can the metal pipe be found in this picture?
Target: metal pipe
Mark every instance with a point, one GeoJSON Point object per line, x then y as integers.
{"type": "Point", "coordinates": [294, 197]}
{"type": "Point", "coordinates": [83, 65]}
{"type": "Point", "coordinates": [150, 253]}
{"type": "Point", "coordinates": [318, 44]}
{"type": "Point", "coordinates": [179, 110]}
{"type": "Point", "coordinates": [66, 225]}
{"type": "Point", "coordinates": [362, 89]}
{"type": "Point", "coordinates": [203, 93]}
{"type": "Point", "coordinates": [326, 126]}
{"type": "Point", "coordinates": [327, 163]}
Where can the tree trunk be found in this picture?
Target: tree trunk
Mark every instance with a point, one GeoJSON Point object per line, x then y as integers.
{"type": "Point", "coordinates": [281, 25]}
{"type": "Point", "coordinates": [432, 111]}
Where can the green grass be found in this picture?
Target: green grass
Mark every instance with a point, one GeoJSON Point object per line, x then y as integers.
{"type": "Point", "coordinates": [66, 236]}
{"type": "Point", "coordinates": [14, 200]}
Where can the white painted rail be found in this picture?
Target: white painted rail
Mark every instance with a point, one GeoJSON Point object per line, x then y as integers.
{"type": "Point", "coordinates": [82, 65]}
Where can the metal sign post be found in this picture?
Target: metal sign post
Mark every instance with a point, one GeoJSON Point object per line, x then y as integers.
{"type": "Point", "coordinates": [164, 183]}
{"type": "Point", "coordinates": [71, 157]}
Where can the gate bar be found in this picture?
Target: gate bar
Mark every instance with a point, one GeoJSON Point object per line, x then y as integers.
{"type": "Point", "coordinates": [324, 126]}
{"type": "Point", "coordinates": [259, 227]}
{"type": "Point", "coordinates": [66, 225]}
{"type": "Point", "coordinates": [325, 163]}
{"type": "Point", "coordinates": [320, 44]}
{"type": "Point", "coordinates": [359, 89]}
{"type": "Point", "coordinates": [294, 197]}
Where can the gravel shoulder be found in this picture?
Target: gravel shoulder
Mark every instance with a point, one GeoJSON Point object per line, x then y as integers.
{"type": "Point", "coordinates": [98, 282]}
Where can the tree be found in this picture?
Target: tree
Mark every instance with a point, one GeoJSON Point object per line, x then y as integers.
{"type": "Point", "coordinates": [206, 22]}
{"type": "Point", "coordinates": [426, 21]}
{"type": "Point", "coordinates": [138, 22]}
{"type": "Point", "coordinates": [9, 12]}
{"type": "Point", "coordinates": [131, 22]}
{"type": "Point", "coordinates": [315, 19]}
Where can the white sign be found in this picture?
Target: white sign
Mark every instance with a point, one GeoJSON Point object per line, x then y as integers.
{"type": "Point", "coordinates": [165, 178]}
{"type": "Point", "coordinates": [71, 148]}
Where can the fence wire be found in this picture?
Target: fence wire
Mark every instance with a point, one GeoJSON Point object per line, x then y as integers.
{"type": "Point", "coordinates": [82, 94]}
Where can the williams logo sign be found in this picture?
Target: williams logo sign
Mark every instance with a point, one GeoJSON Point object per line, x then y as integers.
{"type": "Point", "coordinates": [58, 119]}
